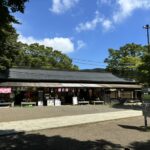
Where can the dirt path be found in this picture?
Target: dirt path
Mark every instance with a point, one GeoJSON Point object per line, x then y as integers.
{"type": "Point", "coordinates": [25, 113]}
{"type": "Point", "coordinates": [116, 134]}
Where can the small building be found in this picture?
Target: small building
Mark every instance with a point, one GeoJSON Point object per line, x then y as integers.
{"type": "Point", "coordinates": [37, 85]}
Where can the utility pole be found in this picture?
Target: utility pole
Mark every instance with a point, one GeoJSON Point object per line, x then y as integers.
{"type": "Point", "coordinates": [147, 27]}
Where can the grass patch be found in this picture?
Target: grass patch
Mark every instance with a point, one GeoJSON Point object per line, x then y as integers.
{"type": "Point", "coordinates": [146, 98]}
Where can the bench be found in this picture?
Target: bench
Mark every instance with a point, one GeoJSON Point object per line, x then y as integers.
{"type": "Point", "coordinates": [28, 103]}
{"type": "Point", "coordinates": [11, 104]}
{"type": "Point", "coordinates": [97, 102]}
{"type": "Point", "coordinates": [83, 102]}
{"type": "Point", "coordinates": [133, 102]}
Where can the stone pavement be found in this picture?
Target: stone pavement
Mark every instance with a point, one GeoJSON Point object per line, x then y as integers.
{"type": "Point", "coordinates": [63, 121]}
{"type": "Point", "coordinates": [28, 113]}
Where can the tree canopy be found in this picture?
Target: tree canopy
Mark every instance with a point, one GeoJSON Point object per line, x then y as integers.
{"type": "Point", "coordinates": [10, 6]}
{"type": "Point", "coordinates": [23, 55]}
{"type": "Point", "coordinates": [8, 47]}
{"type": "Point", "coordinates": [144, 70]}
{"type": "Point", "coordinates": [125, 61]}
{"type": "Point", "coordinates": [39, 56]}
{"type": "Point", "coordinates": [8, 36]}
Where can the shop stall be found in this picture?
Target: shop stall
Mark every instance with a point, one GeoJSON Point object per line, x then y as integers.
{"type": "Point", "coordinates": [56, 88]}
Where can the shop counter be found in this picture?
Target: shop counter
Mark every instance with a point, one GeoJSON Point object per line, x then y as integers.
{"type": "Point", "coordinates": [28, 103]}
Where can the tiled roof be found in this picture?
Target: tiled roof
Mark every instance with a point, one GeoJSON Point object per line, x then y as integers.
{"type": "Point", "coordinates": [60, 76]}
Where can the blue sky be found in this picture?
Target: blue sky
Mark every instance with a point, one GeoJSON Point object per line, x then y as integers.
{"type": "Point", "coordinates": [84, 29]}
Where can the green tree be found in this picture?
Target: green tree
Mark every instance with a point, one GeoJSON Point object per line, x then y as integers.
{"type": "Point", "coordinates": [7, 7]}
{"type": "Point", "coordinates": [39, 56]}
{"type": "Point", "coordinates": [144, 70]}
{"type": "Point", "coordinates": [125, 61]}
{"type": "Point", "coordinates": [8, 37]}
{"type": "Point", "coordinates": [8, 48]}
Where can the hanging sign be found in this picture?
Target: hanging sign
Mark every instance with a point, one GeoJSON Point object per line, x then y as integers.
{"type": "Point", "coordinates": [146, 109]}
{"type": "Point", "coordinates": [66, 90]}
{"type": "Point", "coordinates": [59, 89]}
{"type": "Point", "coordinates": [5, 90]}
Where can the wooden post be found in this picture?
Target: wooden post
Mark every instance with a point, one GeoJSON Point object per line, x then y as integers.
{"type": "Point", "coordinates": [145, 120]}
{"type": "Point", "coordinates": [132, 95]}
{"type": "Point", "coordinates": [119, 93]}
{"type": "Point", "coordinates": [145, 112]}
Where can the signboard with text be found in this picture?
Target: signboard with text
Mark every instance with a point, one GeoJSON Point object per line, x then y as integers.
{"type": "Point", "coordinates": [5, 90]}
{"type": "Point", "coordinates": [146, 109]}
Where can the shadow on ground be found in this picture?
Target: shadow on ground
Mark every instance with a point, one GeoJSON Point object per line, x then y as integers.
{"type": "Point", "coordinates": [138, 128]}
{"type": "Point", "coordinates": [140, 145]}
{"type": "Point", "coordinates": [124, 106]}
{"type": "Point", "coordinates": [23, 141]}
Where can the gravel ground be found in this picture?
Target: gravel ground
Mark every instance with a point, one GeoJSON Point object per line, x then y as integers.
{"type": "Point", "coordinates": [114, 135]}
{"type": "Point", "coordinates": [25, 113]}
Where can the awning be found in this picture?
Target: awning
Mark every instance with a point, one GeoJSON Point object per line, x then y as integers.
{"type": "Point", "coordinates": [75, 85]}
{"type": "Point", "coordinates": [29, 84]}
{"type": "Point", "coordinates": [126, 86]}
{"type": "Point", "coordinates": [93, 85]}
{"type": "Point", "coordinates": [71, 85]}
{"type": "Point", "coordinates": [41, 84]}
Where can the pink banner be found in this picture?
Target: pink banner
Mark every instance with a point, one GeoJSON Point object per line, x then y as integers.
{"type": "Point", "coordinates": [5, 90]}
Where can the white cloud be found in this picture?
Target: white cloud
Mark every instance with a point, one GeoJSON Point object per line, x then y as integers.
{"type": "Point", "coordinates": [107, 24]}
{"type": "Point", "coordinates": [60, 6]}
{"type": "Point", "coordinates": [62, 44]}
{"type": "Point", "coordinates": [126, 8]}
{"type": "Point", "coordinates": [99, 2]}
{"type": "Point", "coordinates": [91, 25]}
{"type": "Point", "coordinates": [80, 44]}
{"type": "Point", "coordinates": [121, 9]}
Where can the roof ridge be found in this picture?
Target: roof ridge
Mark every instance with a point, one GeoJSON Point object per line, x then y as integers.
{"type": "Point", "coordinates": [59, 70]}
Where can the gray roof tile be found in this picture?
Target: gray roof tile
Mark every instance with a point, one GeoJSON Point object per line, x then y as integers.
{"type": "Point", "coordinates": [62, 76]}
